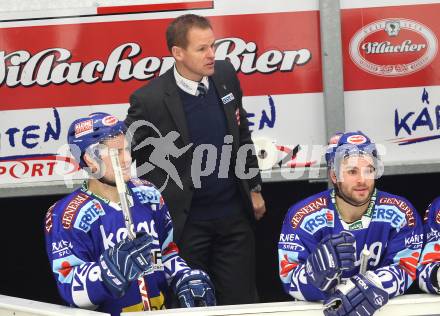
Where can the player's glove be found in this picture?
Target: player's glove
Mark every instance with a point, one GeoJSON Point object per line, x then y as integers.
{"type": "Point", "coordinates": [435, 277]}
{"type": "Point", "coordinates": [361, 295]}
{"type": "Point", "coordinates": [195, 288]}
{"type": "Point", "coordinates": [125, 262]}
{"type": "Point", "coordinates": [334, 254]}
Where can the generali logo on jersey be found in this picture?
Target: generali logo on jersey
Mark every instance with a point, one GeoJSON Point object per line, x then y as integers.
{"type": "Point", "coordinates": [393, 47]}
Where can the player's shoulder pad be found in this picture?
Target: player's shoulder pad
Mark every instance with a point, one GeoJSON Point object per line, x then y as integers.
{"type": "Point", "coordinates": [400, 204]}
{"type": "Point", "coordinates": [66, 210]}
{"type": "Point", "coordinates": [432, 213]}
{"type": "Point", "coordinates": [147, 193]}
{"type": "Point", "coordinates": [435, 205]}
{"type": "Point", "coordinates": [307, 207]}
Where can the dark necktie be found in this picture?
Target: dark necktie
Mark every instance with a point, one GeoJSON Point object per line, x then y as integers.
{"type": "Point", "coordinates": [201, 88]}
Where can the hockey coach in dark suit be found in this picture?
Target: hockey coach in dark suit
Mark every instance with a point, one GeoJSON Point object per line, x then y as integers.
{"type": "Point", "coordinates": [191, 139]}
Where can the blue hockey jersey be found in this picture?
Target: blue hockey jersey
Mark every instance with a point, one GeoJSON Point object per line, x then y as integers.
{"type": "Point", "coordinates": [431, 251]}
{"type": "Point", "coordinates": [390, 228]}
{"type": "Point", "coordinates": [82, 225]}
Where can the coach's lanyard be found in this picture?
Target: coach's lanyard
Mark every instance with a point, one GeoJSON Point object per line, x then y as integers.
{"type": "Point", "coordinates": [361, 223]}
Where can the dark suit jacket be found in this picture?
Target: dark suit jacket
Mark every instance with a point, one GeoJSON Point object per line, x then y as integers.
{"type": "Point", "coordinates": [159, 103]}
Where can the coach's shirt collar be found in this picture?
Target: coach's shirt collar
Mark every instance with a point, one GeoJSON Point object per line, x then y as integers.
{"type": "Point", "coordinates": [189, 86]}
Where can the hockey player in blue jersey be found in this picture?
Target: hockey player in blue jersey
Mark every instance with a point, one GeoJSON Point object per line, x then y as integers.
{"type": "Point", "coordinates": [94, 263]}
{"type": "Point", "coordinates": [323, 236]}
{"type": "Point", "coordinates": [429, 272]}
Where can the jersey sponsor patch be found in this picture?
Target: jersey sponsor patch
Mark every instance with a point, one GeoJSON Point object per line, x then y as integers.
{"type": "Point", "coordinates": [157, 259]}
{"type": "Point", "coordinates": [431, 253]}
{"type": "Point", "coordinates": [389, 214]}
{"type": "Point", "coordinates": [356, 225]}
{"type": "Point", "coordinates": [432, 235]}
{"type": "Point", "coordinates": [288, 262]}
{"type": "Point", "coordinates": [71, 209]}
{"type": "Point", "coordinates": [293, 246]}
{"type": "Point", "coordinates": [402, 206]}
{"type": "Point", "coordinates": [61, 248]}
{"type": "Point", "coordinates": [289, 237]}
{"type": "Point", "coordinates": [63, 267]}
{"type": "Point", "coordinates": [121, 233]}
{"type": "Point", "coordinates": [149, 195]}
{"type": "Point", "coordinates": [311, 207]}
{"type": "Point", "coordinates": [415, 241]}
{"type": "Point", "coordinates": [408, 260]}
{"type": "Point", "coordinates": [290, 242]}
{"type": "Point", "coordinates": [87, 215]}
{"type": "Point", "coordinates": [314, 222]}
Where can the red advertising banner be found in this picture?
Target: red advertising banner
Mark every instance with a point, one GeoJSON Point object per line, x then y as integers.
{"type": "Point", "coordinates": [103, 63]}
{"type": "Point", "coordinates": [391, 47]}
{"type": "Point", "coordinates": [156, 7]}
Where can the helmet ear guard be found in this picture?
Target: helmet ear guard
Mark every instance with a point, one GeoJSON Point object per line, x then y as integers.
{"type": "Point", "coordinates": [94, 153]}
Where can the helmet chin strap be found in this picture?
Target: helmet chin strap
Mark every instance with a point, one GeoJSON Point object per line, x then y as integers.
{"type": "Point", "coordinates": [343, 197]}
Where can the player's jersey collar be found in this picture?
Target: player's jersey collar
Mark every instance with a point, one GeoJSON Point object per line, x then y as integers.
{"type": "Point", "coordinates": [116, 206]}
{"type": "Point", "coordinates": [365, 220]}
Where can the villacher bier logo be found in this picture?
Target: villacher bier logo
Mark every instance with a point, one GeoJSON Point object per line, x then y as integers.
{"type": "Point", "coordinates": [393, 47]}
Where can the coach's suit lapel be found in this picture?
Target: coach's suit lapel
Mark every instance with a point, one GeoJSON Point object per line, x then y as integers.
{"type": "Point", "coordinates": [224, 89]}
{"type": "Point", "coordinates": [175, 107]}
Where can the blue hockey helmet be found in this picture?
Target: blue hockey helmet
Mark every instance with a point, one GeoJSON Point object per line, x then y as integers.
{"type": "Point", "coordinates": [90, 130]}
{"type": "Point", "coordinates": [332, 143]}
{"type": "Point", "coordinates": [349, 144]}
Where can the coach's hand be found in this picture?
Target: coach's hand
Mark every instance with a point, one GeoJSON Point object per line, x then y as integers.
{"type": "Point", "coordinates": [258, 205]}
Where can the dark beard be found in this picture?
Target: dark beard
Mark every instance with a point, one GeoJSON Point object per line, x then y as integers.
{"type": "Point", "coordinates": [350, 201]}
